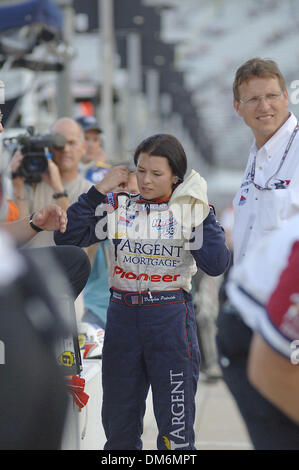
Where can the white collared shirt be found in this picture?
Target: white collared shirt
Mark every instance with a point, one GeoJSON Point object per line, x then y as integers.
{"type": "Point", "coordinates": [257, 213]}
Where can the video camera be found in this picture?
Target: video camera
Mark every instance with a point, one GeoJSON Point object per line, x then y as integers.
{"type": "Point", "coordinates": [34, 149]}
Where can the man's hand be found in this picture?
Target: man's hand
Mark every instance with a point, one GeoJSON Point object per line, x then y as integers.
{"type": "Point", "coordinates": [52, 177]}
{"type": "Point", "coordinates": [16, 161]}
{"type": "Point", "coordinates": [51, 218]}
{"type": "Point", "coordinates": [18, 181]}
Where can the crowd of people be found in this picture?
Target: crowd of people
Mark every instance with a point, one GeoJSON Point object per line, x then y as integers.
{"type": "Point", "coordinates": [123, 240]}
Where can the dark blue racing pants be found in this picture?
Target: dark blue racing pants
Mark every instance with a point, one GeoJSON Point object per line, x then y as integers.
{"type": "Point", "coordinates": [150, 343]}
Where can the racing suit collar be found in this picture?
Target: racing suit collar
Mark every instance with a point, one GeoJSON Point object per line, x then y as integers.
{"type": "Point", "coordinates": [152, 201]}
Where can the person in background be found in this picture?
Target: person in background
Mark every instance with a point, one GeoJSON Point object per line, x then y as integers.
{"type": "Point", "coordinates": [61, 184]}
{"type": "Point", "coordinates": [8, 210]}
{"type": "Point", "coordinates": [209, 298]}
{"type": "Point", "coordinates": [74, 263]}
{"type": "Point", "coordinates": [271, 311]}
{"type": "Point", "coordinates": [267, 198]}
{"type": "Point", "coordinates": [93, 162]}
{"type": "Point", "coordinates": [93, 167]}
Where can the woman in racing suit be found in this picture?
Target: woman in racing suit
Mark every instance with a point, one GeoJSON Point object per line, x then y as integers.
{"type": "Point", "coordinates": [150, 336]}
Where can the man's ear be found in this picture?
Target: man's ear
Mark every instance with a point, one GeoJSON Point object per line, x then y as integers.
{"type": "Point", "coordinates": [237, 106]}
{"type": "Point", "coordinates": [286, 95]}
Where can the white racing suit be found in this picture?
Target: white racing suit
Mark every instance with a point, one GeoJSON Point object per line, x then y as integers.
{"type": "Point", "coordinates": [150, 337]}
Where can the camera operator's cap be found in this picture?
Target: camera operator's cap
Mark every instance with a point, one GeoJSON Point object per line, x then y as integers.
{"type": "Point", "coordinates": [89, 123]}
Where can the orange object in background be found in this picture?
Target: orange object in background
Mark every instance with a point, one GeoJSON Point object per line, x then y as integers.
{"type": "Point", "coordinates": [86, 108]}
{"type": "Point", "coordinates": [12, 212]}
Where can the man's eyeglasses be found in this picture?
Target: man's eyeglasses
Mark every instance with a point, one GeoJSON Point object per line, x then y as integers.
{"type": "Point", "coordinates": [269, 98]}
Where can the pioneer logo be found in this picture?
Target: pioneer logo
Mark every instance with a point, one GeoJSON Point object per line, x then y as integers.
{"type": "Point", "coordinates": [118, 271]}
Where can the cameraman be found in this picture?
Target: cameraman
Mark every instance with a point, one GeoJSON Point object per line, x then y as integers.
{"type": "Point", "coordinates": [61, 184]}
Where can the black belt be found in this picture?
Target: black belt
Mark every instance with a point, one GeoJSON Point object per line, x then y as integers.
{"type": "Point", "coordinates": [148, 298]}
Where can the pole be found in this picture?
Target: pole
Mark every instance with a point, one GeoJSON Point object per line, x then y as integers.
{"type": "Point", "coordinates": [64, 101]}
{"type": "Point", "coordinates": [106, 12]}
{"type": "Point", "coordinates": [153, 91]}
{"type": "Point", "coordinates": [134, 86]}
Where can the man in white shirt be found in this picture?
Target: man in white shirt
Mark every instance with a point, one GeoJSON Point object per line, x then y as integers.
{"type": "Point", "coordinates": [268, 196]}
{"type": "Point", "coordinates": [269, 192]}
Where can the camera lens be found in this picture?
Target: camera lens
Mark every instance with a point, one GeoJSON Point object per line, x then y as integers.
{"type": "Point", "coordinates": [34, 164]}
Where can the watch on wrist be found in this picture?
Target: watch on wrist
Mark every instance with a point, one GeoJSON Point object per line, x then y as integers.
{"type": "Point", "coordinates": [32, 225]}
{"type": "Point", "coordinates": [58, 195]}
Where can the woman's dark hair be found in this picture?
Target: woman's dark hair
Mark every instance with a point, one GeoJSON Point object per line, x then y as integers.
{"type": "Point", "coordinates": [165, 145]}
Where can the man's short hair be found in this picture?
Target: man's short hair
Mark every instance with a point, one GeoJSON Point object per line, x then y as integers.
{"type": "Point", "coordinates": [257, 67]}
